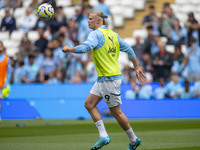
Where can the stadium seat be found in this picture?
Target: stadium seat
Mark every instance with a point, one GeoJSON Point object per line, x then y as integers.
{"type": "Point", "coordinates": [197, 16]}
{"type": "Point", "coordinates": [176, 8]}
{"type": "Point", "coordinates": [170, 48]}
{"type": "Point", "coordinates": [63, 3]}
{"type": "Point", "coordinates": [187, 8]}
{"type": "Point", "coordinates": [139, 4]}
{"type": "Point", "coordinates": [194, 2]}
{"type": "Point", "coordinates": [4, 36]}
{"type": "Point", "coordinates": [26, 3]}
{"type": "Point", "coordinates": [127, 3]}
{"type": "Point", "coordinates": [16, 35]}
{"type": "Point", "coordinates": [7, 43]}
{"type": "Point", "coordinates": [182, 17]}
{"type": "Point", "coordinates": [112, 3]}
{"type": "Point", "coordinates": [70, 11]}
{"type": "Point", "coordinates": [12, 51]}
{"type": "Point", "coordinates": [131, 41]}
{"type": "Point", "coordinates": [11, 43]}
{"type": "Point", "coordinates": [2, 12]}
{"type": "Point", "coordinates": [181, 2]}
{"type": "Point", "coordinates": [128, 12]}
{"type": "Point", "coordinates": [17, 22]}
{"type": "Point", "coordinates": [140, 32]}
{"type": "Point", "coordinates": [198, 8]}
{"type": "Point", "coordinates": [93, 3]}
{"type": "Point", "coordinates": [117, 10]}
{"type": "Point", "coordinates": [33, 36]}
{"type": "Point", "coordinates": [19, 12]}
{"type": "Point", "coordinates": [118, 21]}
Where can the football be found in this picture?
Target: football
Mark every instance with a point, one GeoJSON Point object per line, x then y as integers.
{"type": "Point", "coordinates": [45, 11]}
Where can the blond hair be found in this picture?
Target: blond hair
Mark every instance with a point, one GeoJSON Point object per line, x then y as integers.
{"type": "Point", "coordinates": [100, 14]}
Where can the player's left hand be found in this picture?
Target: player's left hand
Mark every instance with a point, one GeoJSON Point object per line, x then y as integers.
{"type": "Point", "coordinates": [65, 49]}
{"type": "Point", "coordinates": [140, 75]}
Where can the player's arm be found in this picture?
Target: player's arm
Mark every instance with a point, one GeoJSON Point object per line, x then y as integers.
{"type": "Point", "coordinates": [89, 44]}
{"type": "Point", "coordinates": [124, 47]}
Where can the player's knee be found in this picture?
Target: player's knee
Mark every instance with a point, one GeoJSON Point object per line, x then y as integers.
{"type": "Point", "coordinates": [88, 106]}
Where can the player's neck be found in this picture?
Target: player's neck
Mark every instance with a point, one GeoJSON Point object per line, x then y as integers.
{"type": "Point", "coordinates": [98, 26]}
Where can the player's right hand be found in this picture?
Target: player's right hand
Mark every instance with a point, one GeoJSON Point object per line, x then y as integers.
{"type": "Point", "coordinates": [65, 49]}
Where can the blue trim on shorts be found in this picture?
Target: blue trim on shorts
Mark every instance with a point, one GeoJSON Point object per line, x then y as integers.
{"type": "Point", "coordinates": [115, 94]}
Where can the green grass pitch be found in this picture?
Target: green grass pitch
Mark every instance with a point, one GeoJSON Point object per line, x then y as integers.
{"type": "Point", "coordinates": [156, 134]}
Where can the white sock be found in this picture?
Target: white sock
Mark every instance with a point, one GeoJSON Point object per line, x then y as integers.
{"type": "Point", "coordinates": [101, 128]}
{"type": "Point", "coordinates": [131, 135]}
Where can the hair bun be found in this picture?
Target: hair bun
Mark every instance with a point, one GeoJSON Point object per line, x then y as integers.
{"type": "Point", "coordinates": [105, 16]}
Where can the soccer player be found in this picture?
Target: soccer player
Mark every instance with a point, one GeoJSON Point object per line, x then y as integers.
{"type": "Point", "coordinates": [5, 71]}
{"type": "Point", "coordinates": [105, 45]}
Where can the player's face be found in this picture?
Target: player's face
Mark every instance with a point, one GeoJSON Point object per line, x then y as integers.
{"type": "Point", "coordinates": [92, 21]}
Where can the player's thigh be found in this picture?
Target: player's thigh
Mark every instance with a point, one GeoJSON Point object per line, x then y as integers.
{"type": "Point", "coordinates": [92, 100]}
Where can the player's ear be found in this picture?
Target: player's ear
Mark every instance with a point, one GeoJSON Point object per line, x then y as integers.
{"type": "Point", "coordinates": [98, 21]}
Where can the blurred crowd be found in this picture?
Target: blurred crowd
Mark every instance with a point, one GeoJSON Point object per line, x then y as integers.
{"type": "Point", "coordinates": [172, 89]}
{"type": "Point", "coordinates": [181, 71]}
{"type": "Point", "coordinates": [43, 61]}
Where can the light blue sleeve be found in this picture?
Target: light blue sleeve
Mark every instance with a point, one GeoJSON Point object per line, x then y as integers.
{"type": "Point", "coordinates": [125, 47]}
{"type": "Point", "coordinates": [90, 43]}
{"type": "Point", "coordinates": [8, 76]}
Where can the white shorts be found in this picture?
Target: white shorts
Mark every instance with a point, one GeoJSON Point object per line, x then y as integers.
{"type": "Point", "coordinates": [1, 94]}
{"type": "Point", "coordinates": [109, 90]}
